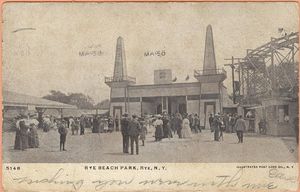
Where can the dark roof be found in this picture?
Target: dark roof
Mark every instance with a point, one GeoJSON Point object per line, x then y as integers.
{"type": "Point", "coordinates": [21, 100]}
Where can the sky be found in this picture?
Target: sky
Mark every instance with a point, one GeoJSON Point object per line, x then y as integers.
{"type": "Point", "coordinates": [42, 42]}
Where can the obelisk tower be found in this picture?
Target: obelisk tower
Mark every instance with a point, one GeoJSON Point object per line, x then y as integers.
{"type": "Point", "coordinates": [119, 83]}
{"type": "Point", "coordinates": [209, 66]}
{"type": "Point", "coordinates": [210, 79]}
{"type": "Point", "coordinates": [120, 70]}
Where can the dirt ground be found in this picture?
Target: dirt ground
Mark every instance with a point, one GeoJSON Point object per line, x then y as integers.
{"type": "Point", "coordinates": [107, 148]}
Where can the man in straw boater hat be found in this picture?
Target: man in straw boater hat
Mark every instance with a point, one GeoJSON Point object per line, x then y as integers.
{"type": "Point", "coordinates": [125, 132]}
{"type": "Point", "coordinates": [134, 130]}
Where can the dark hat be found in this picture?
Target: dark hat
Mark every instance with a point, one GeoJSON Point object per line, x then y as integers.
{"type": "Point", "coordinates": [134, 116]}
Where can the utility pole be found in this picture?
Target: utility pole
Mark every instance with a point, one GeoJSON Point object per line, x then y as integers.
{"type": "Point", "coordinates": [232, 65]}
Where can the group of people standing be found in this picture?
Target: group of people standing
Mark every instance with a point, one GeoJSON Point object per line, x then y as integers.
{"type": "Point", "coordinates": [76, 124]}
{"type": "Point", "coordinates": [167, 125]}
{"type": "Point", "coordinates": [26, 133]}
{"type": "Point", "coordinates": [228, 123]}
{"type": "Point", "coordinates": [132, 130]}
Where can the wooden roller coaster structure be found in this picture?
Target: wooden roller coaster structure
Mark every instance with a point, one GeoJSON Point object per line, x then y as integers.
{"type": "Point", "coordinates": [270, 70]}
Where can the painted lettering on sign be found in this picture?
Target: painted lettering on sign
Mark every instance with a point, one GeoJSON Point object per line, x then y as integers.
{"type": "Point", "coordinates": [161, 53]}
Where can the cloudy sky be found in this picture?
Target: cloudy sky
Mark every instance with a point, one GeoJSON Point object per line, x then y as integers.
{"type": "Point", "coordinates": [42, 41]}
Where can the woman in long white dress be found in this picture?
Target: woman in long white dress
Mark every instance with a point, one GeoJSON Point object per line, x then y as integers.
{"type": "Point", "coordinates": [186, 130]}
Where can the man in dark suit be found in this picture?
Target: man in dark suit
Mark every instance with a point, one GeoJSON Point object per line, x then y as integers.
{"type": "Point", "coordinates": [63, 131]}
{"type": "Point", "coordinates": [125, 132]}
{"type": "Point", "coordinates": [134, 130]}
{"type": "Point", "coordinates": [240, 127]}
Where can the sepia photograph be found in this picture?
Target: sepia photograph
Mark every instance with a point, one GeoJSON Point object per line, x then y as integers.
{"type": "Point", "coordinates": [192, 82]}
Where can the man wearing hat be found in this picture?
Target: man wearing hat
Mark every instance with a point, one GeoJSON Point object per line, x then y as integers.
{"type": "Point", "coordinates": [216, 127]}
{"type": "Point", "coordinates": [240, 127]}
{"type": "Point", "coordinates": [134, 130]}
{"type": "Point", "coordinates": [125, 132]}
{"type": "Point", "coordinates": [63, 131]}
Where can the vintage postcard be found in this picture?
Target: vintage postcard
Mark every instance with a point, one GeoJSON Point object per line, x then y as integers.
{"type": "Point", "coordinates": [152, 96]}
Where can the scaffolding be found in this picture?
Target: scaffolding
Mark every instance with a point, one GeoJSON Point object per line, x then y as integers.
{"type": "Point", "coordinates": [267, 71]}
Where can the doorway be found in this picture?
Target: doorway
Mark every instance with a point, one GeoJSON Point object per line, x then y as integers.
{"type": "Point", "coordinates": [117, 113]}
{"type": "Point", "coordinates": [159, 109]}
{"type": "Point", "coordinates": [182, 108]}
{"type": "Point", "coordinates": [209, 108]}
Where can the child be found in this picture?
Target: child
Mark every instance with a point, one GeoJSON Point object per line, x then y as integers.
{"type": "Point", "coordinates": [63, 131]}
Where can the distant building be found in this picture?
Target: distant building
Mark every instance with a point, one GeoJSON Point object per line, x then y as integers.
{"type": "Point", "coordinates": [202, 97]}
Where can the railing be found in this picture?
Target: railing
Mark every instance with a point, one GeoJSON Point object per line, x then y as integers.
{"type": "Point", "coordinates": [119, 79]}
{"type": "Point", "coordinates": [209, 72]}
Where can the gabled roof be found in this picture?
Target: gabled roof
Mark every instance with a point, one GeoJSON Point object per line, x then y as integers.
{"type": "Point", "coordinates": [14, 99]}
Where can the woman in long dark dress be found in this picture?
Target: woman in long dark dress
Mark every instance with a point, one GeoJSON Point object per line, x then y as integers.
{"type": "Point", "coordinates": [24, 135]}
{"type": "Point", "coordinates": [158, 128]}
{"type": "Point", "coordinates": [18, 141]}
{"type": "Point", "coordinates": [33, 139]}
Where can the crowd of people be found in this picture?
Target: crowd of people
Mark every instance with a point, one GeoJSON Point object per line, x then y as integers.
{"type": "Point", "coordinates": [27, 135]}
{"type": "Point", "coordinates": [229, 123]}
{"type": "Point", "coordinates": [133, 128]}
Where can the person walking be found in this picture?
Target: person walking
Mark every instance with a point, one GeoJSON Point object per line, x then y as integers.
{"type": "Point", "coordinates": [125, 132]}
{"type": "Point", "coordinates": [82, 125]}
{"type": "Point", "coordinates": [134, 130]}
{"type": "Point", "coordinates": [240, 127]}
{"type": "Point", "coordinates": [63, 131]}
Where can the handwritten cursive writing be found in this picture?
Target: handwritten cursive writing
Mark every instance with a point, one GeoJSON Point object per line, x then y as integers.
{"type": "Point", "coordinates": [103, 183]}
{"type": "Point", "coordinates": [55, 179]}
{"type": "Point", "coordinates": [276, 174]}
{"type": "Point", "coordinates": [220, 181]}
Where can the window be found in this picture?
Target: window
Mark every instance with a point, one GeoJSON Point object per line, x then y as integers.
{"type": "Point", "coordinates": [162, 75]}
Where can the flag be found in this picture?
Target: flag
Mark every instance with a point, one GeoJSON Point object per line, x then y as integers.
{"type": "Point", "coordinates": [187, 77]}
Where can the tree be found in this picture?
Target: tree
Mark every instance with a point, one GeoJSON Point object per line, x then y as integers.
{"type": "Point", "coordinates": [103, 104]}
{"type": "Point", "coordinates": [79, 99]}
{"type": "Point", "coordinates": [57, 96]}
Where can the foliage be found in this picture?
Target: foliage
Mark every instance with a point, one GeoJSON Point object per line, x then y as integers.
{"type": "Point", "coordinates": [81, 100]}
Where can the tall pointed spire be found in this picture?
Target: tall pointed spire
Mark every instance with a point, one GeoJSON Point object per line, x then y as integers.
{"type": "Point", "coordinates": [120, 70]}
{"type": "Point", "coordinates": [209, 65]}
